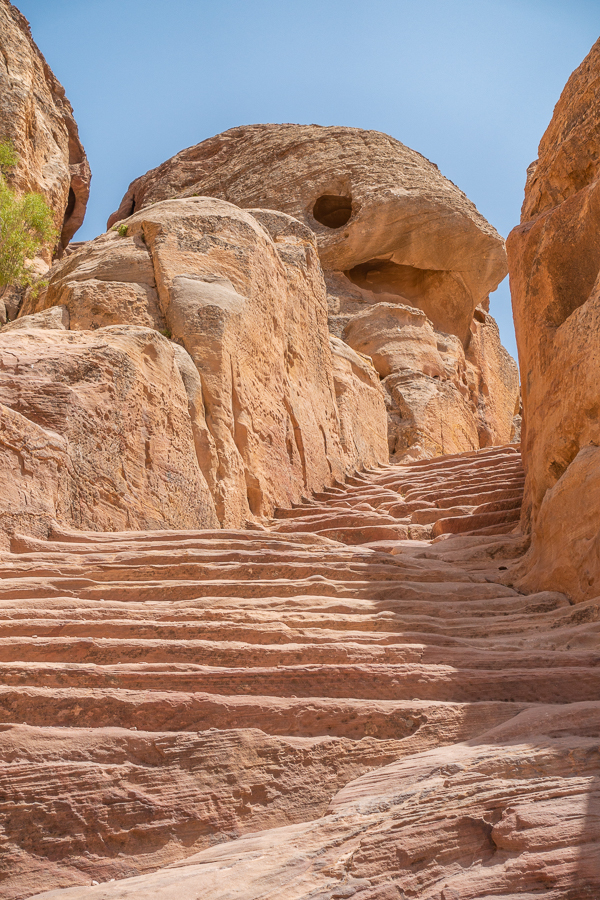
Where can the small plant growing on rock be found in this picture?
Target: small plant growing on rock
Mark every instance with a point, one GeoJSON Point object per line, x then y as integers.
{"type": "Point", "coordinates": [120, 229]}
{"type": "Point", "coordinates": [37, 287]}
{"type": "Point", "coordinates": [26, 226]}
{"type": "Point", "coordinates": [166, 332]}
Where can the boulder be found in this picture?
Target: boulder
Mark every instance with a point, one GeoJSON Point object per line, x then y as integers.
{"type": "Point", "coordinates": [243, 292]}
{"type": "Point", "coordinates": [38, 119]}
{"type": "Point", "coordinates": [390, 229]}
{"type": "Point", "coordinates": [97, 432]}
{"type": "Point", "coordinates": [383, 214]}
{"type": "Point", "coordinates": [55, 317]}
{"type": "Point", "coordinates": [554, 257]}
{"type": "Point", "coordinates": [108, 281]}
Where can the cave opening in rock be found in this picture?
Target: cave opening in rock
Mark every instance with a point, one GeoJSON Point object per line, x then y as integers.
{"type": "Point", "coordinates": [333, 210]}
{"type": "Point", "coordinates": [442, 295]}
{"type": "Point", "coordinates": [72, 199]}
{"type": "Point", "coordinates": [385, 277]}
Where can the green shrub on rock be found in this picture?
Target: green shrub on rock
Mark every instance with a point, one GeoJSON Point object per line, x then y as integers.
{"type": "Point", "coordinates": [26, 226]}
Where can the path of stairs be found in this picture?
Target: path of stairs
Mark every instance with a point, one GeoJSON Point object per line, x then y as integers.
{"type": "Point", "coordinates": [471, 493]}
{"type": "Point", "coordinates": [166, 693]}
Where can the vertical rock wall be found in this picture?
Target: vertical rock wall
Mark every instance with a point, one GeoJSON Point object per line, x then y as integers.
{"type": "Point", "coordinates": [554, 258]}
{"type": "Point", "coordinates": [37, 117]}
{"type": "Point", "coordinates": [241, 296]}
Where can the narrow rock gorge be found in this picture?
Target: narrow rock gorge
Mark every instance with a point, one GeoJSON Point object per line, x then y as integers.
{"type": "Point", "coordinates": [285, 613]}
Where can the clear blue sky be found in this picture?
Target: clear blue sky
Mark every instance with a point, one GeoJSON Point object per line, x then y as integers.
{"type": "Point", "coordinates": [471, 84]}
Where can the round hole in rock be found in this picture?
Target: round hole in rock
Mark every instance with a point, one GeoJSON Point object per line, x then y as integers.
{"type": "Point", "coordinates": [332, 210]}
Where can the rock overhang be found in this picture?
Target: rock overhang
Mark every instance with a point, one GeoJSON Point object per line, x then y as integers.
{"type": "Point", "coordinates": [365, 195]}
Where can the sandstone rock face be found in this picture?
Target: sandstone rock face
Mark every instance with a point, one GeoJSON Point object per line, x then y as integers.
{"type": "Point", "coordinates": [243, 293]}
{"type": "Point", "coordinates": [440, 400]}
{"type": "Point", "coordinates": [242, 657]}
{"type": "Point", "coordinates": [493, 382]}
{"type": "Point", "coordinates": [235, 714]}
{"type": "Point", "coordinates": [109, 281]}
{"type": "Point", "coordinates": [363, 421]}
{"type": "Point", "coordinates": [375, 205]}
{"type": "Point", "coordinates": [97, 432]}
{"type": "Point", "coordinates": [37, 117]}
{"type": "Point", "coordinates": [390, 230]}
{"type": "Point", "coordinates": [54, 317]}
{"type": "Point", "coordinates": [555, 282]}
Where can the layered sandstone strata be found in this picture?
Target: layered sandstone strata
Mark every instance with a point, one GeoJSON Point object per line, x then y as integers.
{"type": "Point", "coordinates": [392, 230]}
{"type": "Point", "coordinates": [311, 717]}
{"type": "Point", "coordinates": [276, 414]}
{"type": "Point", "coordinates": [554, 257]}
{"type": "Point", "coordinates": [38, 119]}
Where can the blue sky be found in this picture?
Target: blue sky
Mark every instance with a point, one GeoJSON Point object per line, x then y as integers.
{"type": "Point", "coordinates": [471, 84]}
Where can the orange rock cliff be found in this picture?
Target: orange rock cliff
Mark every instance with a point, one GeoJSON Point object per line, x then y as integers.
{"type": "Point", "coordinates": [284, 613]}
{"type": "Point", "coordinates": [555, 285]}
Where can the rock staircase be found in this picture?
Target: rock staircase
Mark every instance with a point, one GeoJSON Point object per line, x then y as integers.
{"type": "Point", "coordinates": [474, 493]}
{"type": "Point", "coordinates": [166, 693]}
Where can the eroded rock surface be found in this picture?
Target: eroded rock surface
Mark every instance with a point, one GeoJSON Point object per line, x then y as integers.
{"type": "Point", "coordinates": [96, 432]}
{"type": "Point", "coordinates": [469, 493]}
{"type": "Point", "coordinates": [243, 293]}
{"type": "Point", "coordinates": [555, 282]}
{"type": "Point", "coordinates": [390, 230]}
{"type": "Point", "coordinates": [344, 720]}
{"type": "Point", "coordinates": [372, 202]}
{"type": "Point", "coordinates": [37, 117]}
{"type": "Point", "coordinates": [440, 400]}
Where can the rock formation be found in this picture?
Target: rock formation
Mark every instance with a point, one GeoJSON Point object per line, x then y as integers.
{"type": "Point", "coordinates": [38, 119]}
{"type": "Point", "coordinates": [244, 297]}
{"type": "Point", "coordinates": [554, 259]}
{"type": "Point", "coordinates": [243, 657]}
{"type": "Point", "coordinates": [96, 432]}
{"type": "Point", "coordinates": [390, 230]}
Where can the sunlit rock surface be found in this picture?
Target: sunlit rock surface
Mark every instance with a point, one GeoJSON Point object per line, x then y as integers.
{"type": "Point", "coordinates": [242, 297]}
{"type": "Point", "coordinates": [96, 432]}
{"type": "Point", "coordinates": [555, 263]}
{"type": "Point", "coordinates": [38, 119]}
{"type": "Point", "coordinates": [390, 230]}
{"type": "Point", "coordinates": [311, 716]}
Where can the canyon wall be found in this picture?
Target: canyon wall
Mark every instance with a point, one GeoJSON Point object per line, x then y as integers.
{"type": "Point", "coordinates": [554, 258]}
{"type": "Point", "coordinates": [38, 119]}
{"type": "Point", "coordinates": [408, 260]}
{"type": "Point", "coordinates": [341, 693]}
